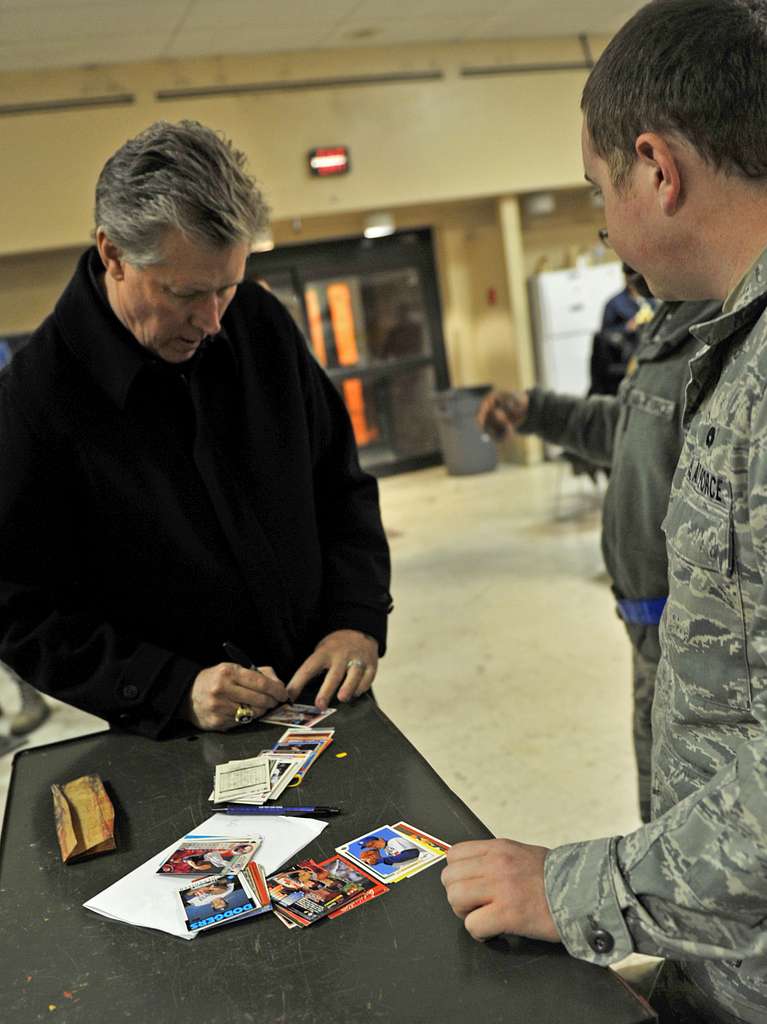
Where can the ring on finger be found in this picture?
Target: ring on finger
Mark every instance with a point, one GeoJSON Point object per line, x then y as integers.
{"type": "Point", "coordinates": [356, 663]}
{"type": "Point", "coordinates": [244, 714]}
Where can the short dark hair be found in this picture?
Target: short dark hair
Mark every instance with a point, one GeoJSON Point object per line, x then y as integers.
{"type": "Point", "coordinates": [697, 68]}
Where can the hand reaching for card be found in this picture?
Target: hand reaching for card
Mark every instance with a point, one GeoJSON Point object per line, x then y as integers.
{"type": "Point", "coordinates": [496, 886]}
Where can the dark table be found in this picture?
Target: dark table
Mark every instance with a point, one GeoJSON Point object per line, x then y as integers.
{"type": "Point", "coordinates": [402, 958]}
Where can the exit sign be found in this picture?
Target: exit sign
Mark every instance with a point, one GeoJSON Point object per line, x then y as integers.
{"type": "Point", "coordinates": [328, 160]}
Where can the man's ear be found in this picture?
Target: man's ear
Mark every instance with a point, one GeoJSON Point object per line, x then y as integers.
{"type": "Point", "coordinates": [110, 256]}
{"type": "Point", "coordinates": [662, 169]}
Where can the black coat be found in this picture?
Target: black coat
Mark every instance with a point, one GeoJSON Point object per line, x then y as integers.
{"type": "Point", "coordinates": [150, 512]}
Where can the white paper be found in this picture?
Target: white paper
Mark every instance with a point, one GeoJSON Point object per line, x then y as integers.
{"type": "Point", "coordinates": [145, 898]}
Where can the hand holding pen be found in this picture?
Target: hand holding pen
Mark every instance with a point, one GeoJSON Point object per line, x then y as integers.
{"type": "Point", "coordinates": [218, 693]}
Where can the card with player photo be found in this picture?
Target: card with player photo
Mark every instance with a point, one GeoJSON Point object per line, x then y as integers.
{"type": "Point", "coordinates": [297, 716]}
{"type": "Point", "coordinates": [309, 742]}
{"type": "Point", "coordinates": [202, 857]}
{"type": "Point", "coordinates": [388, 854]}
{"type": "Point", "coordinates": [219, 900]}
{"type": "Point", "coordinates": [310, 891]}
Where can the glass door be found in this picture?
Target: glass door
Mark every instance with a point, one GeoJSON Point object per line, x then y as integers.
{"type": "Point", "coordinates": [370, 312]}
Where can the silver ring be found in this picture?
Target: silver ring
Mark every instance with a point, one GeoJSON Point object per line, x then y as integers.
{"type": "Point", "coordinates": [356, 663]}
{"type": "Point", "coordinates": [244, 714]}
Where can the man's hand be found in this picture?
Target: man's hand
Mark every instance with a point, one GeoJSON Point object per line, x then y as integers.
{"type": "Point", "coordinates": [496, 886]}
{"type": "Point", "coordinates": [503, 411]}
{"type": "Point", "coordinates": [216, 693]}
{"type": "Point", "coordinates": [351, 661]}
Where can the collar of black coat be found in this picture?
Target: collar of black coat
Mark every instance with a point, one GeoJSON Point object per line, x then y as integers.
{"type": "Point", "coordinates": [100, 341]}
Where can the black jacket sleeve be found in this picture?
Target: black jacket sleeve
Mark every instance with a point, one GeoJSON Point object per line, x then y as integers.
{"type": "Point", "coordinates": [44, 633]}
{"type": "Point", "coordinates": [355, 552]}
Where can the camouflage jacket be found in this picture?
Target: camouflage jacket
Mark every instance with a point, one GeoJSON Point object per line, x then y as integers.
{"type": "Point", "coordinates": [692, 884]}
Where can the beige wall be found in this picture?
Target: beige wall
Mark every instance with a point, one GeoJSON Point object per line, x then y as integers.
{"type": "Point", "coordinates": [435, 153]}
{"type": "Point", "coordinates": [417, 142]}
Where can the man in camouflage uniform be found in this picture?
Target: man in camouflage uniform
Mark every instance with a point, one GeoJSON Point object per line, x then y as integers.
{"type": "Point", "coordinates": [637, 435]}
{"type": "Point", "coordinates": [675, 138]}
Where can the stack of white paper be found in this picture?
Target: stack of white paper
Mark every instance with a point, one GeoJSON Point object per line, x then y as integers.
{"type": "Point", "coordinates": [145, 898]}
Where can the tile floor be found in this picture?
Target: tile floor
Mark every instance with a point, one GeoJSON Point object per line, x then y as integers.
{"type": "Point", "coordinates": [507, 667]}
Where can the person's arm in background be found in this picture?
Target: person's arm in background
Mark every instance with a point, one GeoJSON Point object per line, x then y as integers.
{"type": "Point", "coordinates": [584, 426]}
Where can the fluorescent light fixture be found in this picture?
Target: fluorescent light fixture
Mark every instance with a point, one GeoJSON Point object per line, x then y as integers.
{"type": "Point", "coordinates": [264, 244]}
{"type": "Point", "coordinates": [378, 224]}
{"type": "Point", "coordinates": [539, 204]}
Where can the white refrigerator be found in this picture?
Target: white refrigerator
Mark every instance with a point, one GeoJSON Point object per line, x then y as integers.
{"type": "Point", "coordinates": [566, 308]}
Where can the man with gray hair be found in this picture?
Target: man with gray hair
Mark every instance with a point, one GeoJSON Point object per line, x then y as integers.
{"type": "Point", "coordinates": [178, 473]}
{"type": "Point", "coordinates": [675, 139]}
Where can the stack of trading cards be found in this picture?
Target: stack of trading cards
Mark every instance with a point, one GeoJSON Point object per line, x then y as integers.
{"type": "Point", "coordinates": [245, 781]}
{"type": "Point", "coordinates": [310, 891]}
{"type": "Point", "coordinates": [222, 899]}
{"type": "Point", "coordinates": [214, 855]}
{"type": "Point", "coordinates": [394, 852]}
{"type": "Point", "coordinates": [282, 770]}
{"type": "Point", "coordinates": [308, 742]}
{"type": "Point", "coordinates": [297, 716]}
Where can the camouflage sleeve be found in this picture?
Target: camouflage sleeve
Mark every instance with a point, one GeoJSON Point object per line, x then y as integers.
{"type": "Point", "coordinates": [692, 884]}
{"type": "Point", "coordinates": [584, 426]}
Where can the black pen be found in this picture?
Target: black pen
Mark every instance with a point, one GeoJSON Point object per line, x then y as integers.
{"type": "Point", "coordinates": [239, 657]}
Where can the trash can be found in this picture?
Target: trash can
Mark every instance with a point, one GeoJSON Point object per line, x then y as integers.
{"type": "Point", "coordinates": [465, 448]}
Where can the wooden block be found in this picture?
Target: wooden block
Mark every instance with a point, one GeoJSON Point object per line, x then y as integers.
{"type": "Point", "coordinates": [84, 818]}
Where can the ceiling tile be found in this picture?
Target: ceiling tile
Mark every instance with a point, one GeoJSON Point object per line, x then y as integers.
{"type": "Point", "coordinates": [213, 43]}
{"type": "Point", "coordinates": [265, 15]}
{"type": "Point", "coordinates": [380, 31]}
{"type": "Point", "coordinates": [73, 23]}
{"type": "Point", "coordinates": [62, 33]}
{"type": "Point", "coordinates": [75, 53]}
{"type": "Point", "coordinates": [428, 8]}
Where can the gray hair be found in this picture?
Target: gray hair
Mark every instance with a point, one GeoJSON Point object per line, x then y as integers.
{"type": "Point", "coordinates": [182, 176]}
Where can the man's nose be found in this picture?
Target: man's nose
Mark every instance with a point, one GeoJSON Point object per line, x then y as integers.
{"type": "Point", "coordinates": [207, 314]}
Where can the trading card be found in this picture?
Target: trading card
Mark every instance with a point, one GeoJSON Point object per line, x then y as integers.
{"type": "Point", "coordinates": [304, 892]}
{"type": "Point", "coordinates": [387, 854]}
{"type": "Point", "coordinates": [309, 891]}
{"type": "Point", "coordinates": [299, 716]}
{"type": "Point", "coordinates": [301, 757]}
{"type": "Point", "coordinates": [368, 887]}
{"type": "Point", "coordinates": [284, 919]}
{"type": "Point", "coordinates": [201, 857]}
{"type": "Point", "coordinates": [236, 778]}
{"type": "Point", "coordinates": [217, 900]}
{"type": "Point", "coordinates": [254, 882]}
{"type": "Point", "coordinates": [308, 742]}
{"type": "Point", "coordinates": [283, 770]}
{"type": "Point", "coordinates": [438, 846]}
{"type": "Point", "coordinates": [305, 735]}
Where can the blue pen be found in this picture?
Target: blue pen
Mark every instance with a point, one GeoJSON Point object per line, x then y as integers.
{"type": "Point", "coordinates": [258, 809]}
